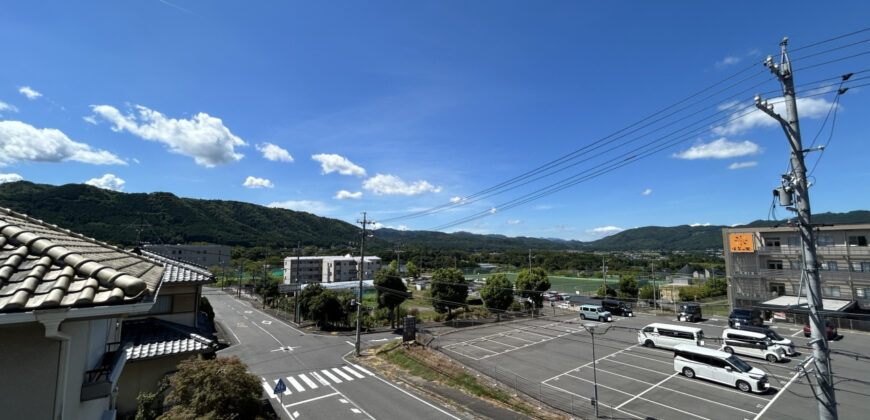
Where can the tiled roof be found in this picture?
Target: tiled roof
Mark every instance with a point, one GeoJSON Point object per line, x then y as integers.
{"type": "Point", "coordinates": [151, 338]}
{"type": "Point", "coordinates": [179, 271]}
{"type": "Point", "coordinates": [43, 266]}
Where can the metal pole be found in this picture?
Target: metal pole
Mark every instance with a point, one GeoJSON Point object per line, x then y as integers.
{"type": "Point", "coordinates": [594, 371]}
{"type": "Point", "coordinates": [361, 269]}
{"type": "Point", "coordinates": [797, 182]}
{"type": "Point", "coordinates": [296, 294]}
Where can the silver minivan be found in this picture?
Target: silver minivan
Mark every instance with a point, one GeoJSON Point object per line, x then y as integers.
{"type": "Point", "coordinates": [668, 336]}
{"type": "Point", "coordinates": [750, 343]}
{"type": "Point", "coordinates": [718, 366]}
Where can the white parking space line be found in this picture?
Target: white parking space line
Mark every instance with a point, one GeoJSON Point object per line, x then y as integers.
{"type": "Point", "coordinates": [331, 376]}
{"type": "Point", "coordinates": [352, 372]}
{"type": "Point", "coordinates": [343, 375]}
{"type": "Point", "coordinates": [493, 352]}
{"type": "Point", "coordinates": [795, 334]}
{"type": "Point", "coordinates": [587, 364]}
{"type": "Point", "coordinates": [295, 384]}
{"type": "Point", "coordinates": [307, 381]}
{"type": "Point", "coordinates": [781, 391]}
{"type": "Point", "coordinates": [499, 342]}
{"type": "Point", "coordinates": [517, 338]}
{"type": "Point", "coordinates": [586, 396]}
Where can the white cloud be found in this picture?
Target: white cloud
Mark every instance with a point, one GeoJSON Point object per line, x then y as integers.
{"type": "Point", "coordinates": [29, 93]}
{"type": "Point", "coordinates": [107, 182]}
{"type": "Point", "coordinates": [331, 162]}
{"type": "Point", "coordinates": [7, 107]}
{"type": "Point", "coordinates": [204, 138]}
{"type": "Point", "coordinates": [4, 178]}
{"type": "Point", "coordinates": [700, 224]}
{"type": "Point", "coordinates": [514, 222]}
{"type": "Point", "coordinates": [390, 184]}
{"type": "Point", "coordinates": [809, 108]}
{"type": "Point", "coordinates": [719, 149]}
{"type": "Point", "coordinates": [90, 119]}
{"type": "Point", "coordinates": [343, 194]}
{"type": "Point", "coordinates": [603, 231]}
{"type": "Point", "coordinates": [274, 153]}
{"type": "Point", "coordinates": [740, 165]}
{"type": "Point", "coordinates": [254, 182]}
{"type": "Point", "coordinates": [728, 61]}
{"type": "Point", "coordinates": [543, 207]}
{"type": "Point", "coordinates": [493, 210]}
{"type": "Point", "coordinates": [457, 199]}
{"type": "Point", "coordinates": [21, 141]}
{"type": "Point", "coordinates": [315, 207]}
{"type": "Point", "coordinates": [646, 192]}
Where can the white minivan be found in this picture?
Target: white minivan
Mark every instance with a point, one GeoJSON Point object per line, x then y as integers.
{"type": "Point", "coordinates": [718, 366]}
{"type": "Point", "coordinates": [750, 343]}
{"type": "Point", "coordinates": [666, 335]}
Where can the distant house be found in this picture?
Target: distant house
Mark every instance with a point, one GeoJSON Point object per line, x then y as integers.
{"type": "Point", "coordinates": [202, 255]}
{"type": "Point", "coordinates": [328, 269]}
{"type": "Point", "coordinates": [686, 276]}
{"type": "Point", "coordinates": [62, 299]}
{"type": "Point", "coordinates": [171, 331]}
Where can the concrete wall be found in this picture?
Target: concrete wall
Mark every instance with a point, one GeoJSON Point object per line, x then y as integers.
{"type": "Point", "coordinates": [143, 376]}
{"type": "Point", "coordinates": [28, 362]}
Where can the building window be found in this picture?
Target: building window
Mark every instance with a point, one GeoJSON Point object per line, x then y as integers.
{"type": "Point", "coordinates": [858, 240]}
{"type": "Point", "coordinates": [865, 267]}
{"type": "Point", "coordinates": [771, 241]}
{"type": "Point", "coordinates": [830, 265]}
{"type": "Point", "coordinates": [796, 289]}
{"type": "Point", "coordinates": [795, 265]}
{"type": "Point", "coordinates": [774, 265]}
{"type": "Point", "coordinates": [863, 292]}
{"type": "Point", "coordinates": [825, 240]}
{"type": "Point", "coordinates": [831, 291]}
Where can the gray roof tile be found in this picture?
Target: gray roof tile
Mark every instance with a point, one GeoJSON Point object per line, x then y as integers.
{"type": "Point", "coordinates": [151, 337]}
{"type": "Point", "coordinates": [180, 271]}
{"type": "Point", "coordinates": [44, 266]}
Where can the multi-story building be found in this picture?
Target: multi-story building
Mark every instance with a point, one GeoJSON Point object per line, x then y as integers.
{"type": "Point", "coordinates": [764, 266]}
{"type": "Point", "coordinates": [328, 269]}
{"type": "Point", "coordinates": [203, 255]}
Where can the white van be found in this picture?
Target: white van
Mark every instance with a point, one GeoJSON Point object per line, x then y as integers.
{"type": "Point", "coordinates": [718, 366]}
{"type": "Point", "coordinates": [750, 343]}
{"type": "Point", "coordinates": [666, 335]}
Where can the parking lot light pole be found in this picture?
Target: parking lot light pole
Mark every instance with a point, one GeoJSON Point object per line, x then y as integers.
{"type": "Point", "coordinates": [590, 326]}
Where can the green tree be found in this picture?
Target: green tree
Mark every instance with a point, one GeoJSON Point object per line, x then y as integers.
{"type": "Point", "coordinates": [448, 290]}
{"type": "Point", "coordinates": [716, 286]}
{"type": "Point", "coordinates": [391, 291]}
{"type": "Point", "coordinates": [306, 295]}
{"type": "Point", "coordinates": [627, 286]}
{"type": "Point", "coordinates": [325, 308]}
{"type": "Point", "coordinates": [205, 306]}
{"type": "Point", "coordinates": [412, 270]}
{"type": "Point", "coordinates": [648, 291]}
{"type": "Point", "coordinates": [497, 294]}
{"type": "Point", "coordinates": [214, 389]}
{"type": "Point", "coordinates": [532, 285]}
{"type": "Point", "coordinates": [605, 291]}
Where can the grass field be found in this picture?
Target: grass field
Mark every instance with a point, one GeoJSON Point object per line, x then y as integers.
{"type": "Point", "coordinates": [585, 285]}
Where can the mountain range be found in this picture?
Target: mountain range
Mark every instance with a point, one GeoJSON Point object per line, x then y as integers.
{"type": "Point", "coordinates": [160, 217]}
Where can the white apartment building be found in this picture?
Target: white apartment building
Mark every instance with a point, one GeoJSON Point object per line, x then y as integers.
{"type": "Point", "coordinates": [328, 269]}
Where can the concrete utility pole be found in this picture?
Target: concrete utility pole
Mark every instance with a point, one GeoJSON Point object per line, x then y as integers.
{"type": "Point", "coordinates": [296, 314]}
{"type": "Point", "coordinates": [796, 183]}
{"type": "Point", "coordinates": [530, 261]}
{"type": "Point", "coordinates": [604, 274]}
{"type": "Point", "coordinates": [362, 265]}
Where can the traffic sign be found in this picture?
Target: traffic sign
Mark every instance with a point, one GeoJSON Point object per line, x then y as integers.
{"type": "Point", "coordinates": [280, 387]}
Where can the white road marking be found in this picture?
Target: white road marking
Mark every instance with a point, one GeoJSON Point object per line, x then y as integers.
{"type": "Point", "coordinates": [362, 369]}
{"type": "Point", "coordinates": [264, 322]}
{"type": "Point", "coordinates": [356, 411]}
{"type": "Point", "coordinates": [295, 384]}
{"type": "Point", "coordinates": [586, 396]}
{"type": "Point", "coordinates": [781, 391]}
{"type": "Point", "coordinates": [307, 381]}
{"type": "Point", "coordinates": [268, 389]}
{"type": "Point", "coordinates": [331, 376]}
{"type": "Point", "coordinates": [319, 379]}
{"type": "Point", "coordinates": [342, 374]}
{"type": "Point", "coordinates": [310, 400]}
{"type": "Point", "coordinates": [351, 344]}
{"type": "Point", "coordinates": [799, 331]}
{"type": "Point", "coordinates": [238, 341]}
{"type": "Point", "coordinates": [295, 414]}
{"type": "Point", "coordinates": [353, 372]}
{"type": "Point", "coordinates": [286, 390]}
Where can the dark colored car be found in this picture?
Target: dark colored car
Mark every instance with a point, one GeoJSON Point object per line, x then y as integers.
{"type": "Point", "coordinates": [740, 317]}
{"type": "Point", "coordinates": [617, 307]}
{"type": "Point", "coordinates": [830, 331]}
{"type": "Point", "coordinates": [690, 312]}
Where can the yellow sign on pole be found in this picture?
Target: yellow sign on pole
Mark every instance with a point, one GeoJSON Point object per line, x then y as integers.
{"type": "Point", "coordinates": [741, 242]}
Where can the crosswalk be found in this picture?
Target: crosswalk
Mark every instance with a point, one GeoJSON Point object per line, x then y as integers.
{"type": "Point", "coordinates": [316, 379]}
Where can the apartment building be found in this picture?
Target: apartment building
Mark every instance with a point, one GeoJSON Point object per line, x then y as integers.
{"type": "Point", "coordinates": [203, 255]}
{"type": "Point", "coordinates": [764, 265]}
{"type": "Point", "coordinates": [328, 269]}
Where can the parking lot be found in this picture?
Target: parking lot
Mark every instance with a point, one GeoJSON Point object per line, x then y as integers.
{"type": "Point", "coordinates": [638, 382]}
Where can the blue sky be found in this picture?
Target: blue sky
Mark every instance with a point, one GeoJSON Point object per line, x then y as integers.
{"type": "Point", "coordinates": [396, 107]}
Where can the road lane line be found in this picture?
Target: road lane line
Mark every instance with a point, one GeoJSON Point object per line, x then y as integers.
{"type": "Point", "coordinates": [308, 381]}
{"type": "Point", "coordinates": [782, 391]}
{"type": "Point", "coordinates": [353, 372]}
{"type": "Point", "coordinates": [311, 399]}
{"type": "Point", "coordinates": [362, 369]}
{"type": "Point", "coordinates": [331, 376]}
{"type": "Point", "coordinates": [647, 390]}
{"type": "Point", "coordinates": [342, 374]}
{"type": "Point", "coordinates": [295, 384]}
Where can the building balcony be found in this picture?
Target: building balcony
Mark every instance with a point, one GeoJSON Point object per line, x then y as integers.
{"type": "Point", "coordinates": [99, 382]}
{"type": "Point", "coordinates": [834, 250]}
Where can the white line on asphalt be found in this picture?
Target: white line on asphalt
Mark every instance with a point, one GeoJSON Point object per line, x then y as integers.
{"type": "Point", "coordinates": [319, 379]}
{"type": "Point", "coordinates": [587, 364]}
{"type": "Point", "coordinates": [286, 390]}
{"type": "Point", "coordinates": [362, 369]}
{"type": "Point", "coordinates": [647, 390]}
{"type": "Point", "coordinates": [342, 374]}
{"type": "Point", "coordinates": [353, 372]}
{"type": "Point", "coordinates": [586, 396]}
{"type": "Point", "coordinates": [311, 399]}
{"type": "Point", "coordinates": [295, 384]}
{"type": "Point", "coordinates": [799, 331]}
{"type": "Point", "coordinates": [781, 391]}
{"type": "Point", "coordinates": [351, 344]}
{"type": "Point", "coordinates": [308, 381]}
{"type": "Point", "coordinates": [331, 376]}
{"type": "Point", "coordinates": [494, 353]}
{"type": "Point", "coordinates": [351, 401]}
{"type": "Point", "coordinates": [268, 389]}
{"type": "Point", "coordinates": [238, 341]}
{"type": "Point", "coordinates": [413, 396]}
{"type": "Point", "coordinates": [499, 342]}
{"type": "Point", "coordinates": [270, 334]}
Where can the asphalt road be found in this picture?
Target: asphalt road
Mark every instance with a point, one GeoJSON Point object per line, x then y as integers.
{"type": "Point", "coordinates": [321, 383]}
{"type": "Point", "coordinates": [552, 359]}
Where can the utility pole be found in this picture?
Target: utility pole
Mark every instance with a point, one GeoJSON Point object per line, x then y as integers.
{"type": "Point", "coordinates": [362, 265]}
{"type": "Point", "coordinates": [530, 261]}
{"type": "Point", "coordinates": [240, 280]}
{"type": "Point", "coordinates": [604, 274]}
{"type": "Point", "coordinates": [652, 272]}
{"type": "Point", "coordinates": [399, 261]}
{"type": "Point", "coordinates": [796, 183]}
{"type": "Point", "coordinates": [296, 313]}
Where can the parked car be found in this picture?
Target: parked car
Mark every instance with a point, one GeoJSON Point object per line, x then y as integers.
{"type": "Point", "coordinates": [617, 307]}
{"type": "Point", "coordinates": [690, 312]}
{"type": "Point", "coordinates": [830, 330]}
{"type": "Point", "coordinates": [784, 343]}
{"type": "Point", "coordinates": [750, 343]}
{"type": "Point", "coordinates": [740, 317]}
{"type": "Point", "coordinates": [665, 335]}
{"type": "Point", "coordinates": [595, 312]}
{"type": "Point", "coordinates": [701, 362]}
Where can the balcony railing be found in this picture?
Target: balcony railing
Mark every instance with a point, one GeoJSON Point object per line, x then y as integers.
{"type": "Point", "coordinates": [98, 382]}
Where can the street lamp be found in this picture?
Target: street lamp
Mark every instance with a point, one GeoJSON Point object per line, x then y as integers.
{"type": "Point", "coordinates": [591, 326]}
